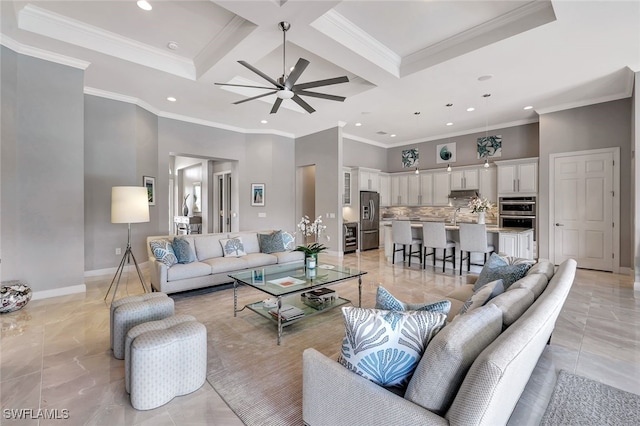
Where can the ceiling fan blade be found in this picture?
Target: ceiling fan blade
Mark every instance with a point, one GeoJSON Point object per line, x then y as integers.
{"type": "Point", "coordinates": [243, 85]}
{"type": "Point", "coordinates": [299, 68]}
{"type": "Point", "coordinates": [297, 99]}
{"type": "Point", "coordinates": [321, 95]}
{"type": "Point", "coordinates": [261, 74]}
{"type": "Point", "coordinates": [318, 83]}
{"type": "Point", "coordinates": [276, 105]}
{"type": "Point", "coordinates": [255, 97]}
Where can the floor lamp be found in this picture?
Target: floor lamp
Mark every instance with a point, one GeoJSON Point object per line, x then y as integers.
{"type": "Point", "coordinates": [129, 204]}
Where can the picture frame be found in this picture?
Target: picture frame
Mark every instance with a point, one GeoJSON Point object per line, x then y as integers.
{"type": "Point", "coordinates": [446, 153]}
{"type": "Point", "coordinates": [257, 194]}
{"type": "Point", "coordinates": [410, 158]}
{"type": "Point", "coordinates": [149, 182]}
{"type": "Point", "coordinates": [490, 147]}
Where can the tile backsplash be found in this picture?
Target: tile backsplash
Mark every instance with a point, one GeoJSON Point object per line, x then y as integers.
{"type": "Point", "coordinates": [444, 212]}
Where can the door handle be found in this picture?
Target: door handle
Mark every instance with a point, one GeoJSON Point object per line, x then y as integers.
{"type": "Point", "coordinates": [559, 224]}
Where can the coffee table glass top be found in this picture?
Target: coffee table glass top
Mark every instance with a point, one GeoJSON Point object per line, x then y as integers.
{"type": "Point", "coordinates": [280, 280]}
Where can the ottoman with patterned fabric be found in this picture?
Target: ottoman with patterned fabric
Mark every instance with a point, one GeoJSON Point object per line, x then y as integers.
{"type": "Point", "coordinates": [131, 311]}
{"type": "Point", "coordinates": [166, 358]}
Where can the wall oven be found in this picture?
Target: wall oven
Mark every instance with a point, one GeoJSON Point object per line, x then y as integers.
{"type": "Point", "coordinates": [518, 212]}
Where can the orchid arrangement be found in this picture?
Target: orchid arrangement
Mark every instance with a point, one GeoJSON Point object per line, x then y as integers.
{"type": "Point", "coordinates": [312, 229]}
{"type": "Point", "coordinates": [479, 205]}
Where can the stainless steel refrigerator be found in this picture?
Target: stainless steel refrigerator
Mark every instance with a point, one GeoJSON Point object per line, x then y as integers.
{"type": "Point", "coordinates": [369, 220]}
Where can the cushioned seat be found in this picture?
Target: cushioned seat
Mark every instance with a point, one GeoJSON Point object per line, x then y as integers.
{"type": "Point", "coordinates": [225, 264]}
{"type": "Point", "coordinates": [254, 260]}
{"type": "Point", "coordinates": [289, 256]}
{"type": "Point", "coordinates": [181, 271]}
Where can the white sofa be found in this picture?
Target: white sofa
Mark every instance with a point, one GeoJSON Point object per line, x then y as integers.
{"type": "Point", "coordinates": [490, 378]}
{"type": "Point", "coordinates": [211, 267]}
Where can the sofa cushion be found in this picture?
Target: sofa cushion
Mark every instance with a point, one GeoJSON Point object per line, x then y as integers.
{"type": "Point", "coordinates": [385, 346]}
{"type": "Point", "coordinates": [536, 283]}
{"type": "Point", "coordinates": [513, 304]}
{"type": "Point", "coordinates": [221, 265]}
{"type": "Point", "coordinates": [183, 251]}
{"type": "Point", "coordinates": [462, 293]}
{"type": "Point", "coordinates": [543, 267]}
{"type": "Point", "coordinates": [271, 243]}
{"type": "Point", "coordinates": [289, 256]}
{"type": "Point", "coordinates": [254, 260]}
{"type": "Point", "coordinates": [497, 268]}
{"type": "Point", "coordinates": [386, 301]}
{"type": "Point", "coordinates": [232, 247]}
{"type": "Point", "coordinates": [181, 271]}
{"type": "Point", "coordinates": [163, 252]}
{"type": "Point", "coordinates": [249, 241]}
{"type": "Point", "coordinates": [482, 296]}
{"type": "Point", "coordinates": [448, 357]}
{"type": "Point", "coordinates": [209, 246]}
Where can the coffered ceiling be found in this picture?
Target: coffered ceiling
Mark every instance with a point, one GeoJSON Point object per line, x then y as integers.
{"type": "Point", "coordinates": [401, 57]}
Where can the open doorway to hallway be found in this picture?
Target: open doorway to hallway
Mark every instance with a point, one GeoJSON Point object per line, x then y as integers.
{"type": "Point", "coordinates": [307, 194]}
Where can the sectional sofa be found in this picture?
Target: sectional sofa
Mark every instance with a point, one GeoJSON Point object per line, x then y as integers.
{"type": "Point", "coordinates": [472, 372]}
{"type": "Point", "coordinates": [210, 264]}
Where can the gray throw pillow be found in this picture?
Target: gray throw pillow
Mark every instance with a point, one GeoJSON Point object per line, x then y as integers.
{"type": "Point", "coordinates": [497, 268]}
{"type": "Point", "coordinates": [271, 243]}
{"type": "Point", "coordinates": [482, 296]}
{"type": "Point", "coordinates": [182, 249]}
{"type": "Point", "coordinates": [386, 301]}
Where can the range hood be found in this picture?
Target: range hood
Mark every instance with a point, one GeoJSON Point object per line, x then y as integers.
{"type": "Point", "coordinates": [463, 194]}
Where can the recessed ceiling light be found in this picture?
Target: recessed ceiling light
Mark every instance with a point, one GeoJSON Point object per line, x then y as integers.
{"type": "Point", "coordinates": [264, 121]}
{"type": "Point", "coordinates": [470, 109]}
{"type": "Point", "coordinates": [171, 99]}
{"type": "Point", "coordinates": [393, 135]}
{"type": "Point", "coordinates": [358, 124]}
{"type": "Point", "coordinates": [528, 107]}
{"type": "Point", "coordinates": [485, 77]}
{"type": "Point", "coordinates": [449, 124]}
{"type": "Point", "coordinates": [173, 45]}
{"type": "Point", "coordinates": [144, 5]}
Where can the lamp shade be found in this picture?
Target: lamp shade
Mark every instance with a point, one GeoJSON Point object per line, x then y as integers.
{"type": "Point", "coordinates": [129, 204]}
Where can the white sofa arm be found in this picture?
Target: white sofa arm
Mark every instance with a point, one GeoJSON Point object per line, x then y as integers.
{"type": "Point", "coordinates": [333, 395]}
{"type": "Point", "coordinates": [158, 274]}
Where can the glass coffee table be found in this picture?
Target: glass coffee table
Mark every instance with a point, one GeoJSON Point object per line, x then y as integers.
{"type": "Point", "coordinates": [286, 283]}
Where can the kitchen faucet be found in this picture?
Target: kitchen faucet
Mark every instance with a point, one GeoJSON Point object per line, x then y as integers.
{"type": "Point", "coordinates": [455, 216]}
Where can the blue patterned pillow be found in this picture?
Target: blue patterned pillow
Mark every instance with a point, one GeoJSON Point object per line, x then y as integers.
{"type": "Point", "coordinates": [163, 251]}
{"type": "Point", "coordinates": [288, 241]}
{"type": "Point", "coordinates": [386, 346]}
{"type": "Point", "coordinates": [386, 301]}
{"type": "Point", "coordinates": [497, 268]}
{"type": "Point", "coordinates": [233, 247]}
{"type": "Point", "coordinates": [271, 243]}
{"type": "Point", "coordinates": [182, 250]}
{"type": "Point", "coordinates": [482, 296]}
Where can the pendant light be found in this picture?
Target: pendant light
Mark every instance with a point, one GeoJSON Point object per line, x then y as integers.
{"type": "Point", "coordinates": [486, 126]}
{"type": "Point", "coordinates": [416, 114]}
{"type": "Point", "coordinates": [449, 123]}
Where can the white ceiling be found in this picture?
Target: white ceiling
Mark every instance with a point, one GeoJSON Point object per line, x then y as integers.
{"type": "Point", "coordinates": [400, 56]}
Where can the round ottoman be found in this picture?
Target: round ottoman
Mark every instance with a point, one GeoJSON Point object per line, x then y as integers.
{"type": "Point", "coordinates": [14, 295]}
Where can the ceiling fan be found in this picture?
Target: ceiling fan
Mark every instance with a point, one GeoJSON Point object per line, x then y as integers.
{"type": "Point", "coordinates": [285, 87]}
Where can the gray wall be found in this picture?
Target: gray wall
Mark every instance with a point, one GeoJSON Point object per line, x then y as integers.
{"type": "Point", "coordinates": [635, 172]}
{"type": "Point", "coordinates": [359, 154]}
{"type": "Point", "coordinates": [42, 172]}
{"type": "Point", "coordinates": [602, 125]}
{"type": "Point", "coordinates": [324, 149]}
{"type": "Point", "coordinates": [517, 142]}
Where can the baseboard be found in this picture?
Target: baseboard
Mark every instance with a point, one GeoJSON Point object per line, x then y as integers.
{"type": "Point", "coordinates": [62, 291]}
{"type": "Point", "coordinates": [624, 270]}
{"type": "Point", "coordinates": [111, 271]}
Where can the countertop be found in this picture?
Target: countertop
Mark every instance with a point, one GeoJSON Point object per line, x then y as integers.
{"type": "Point", "coordinates": [494, 229]}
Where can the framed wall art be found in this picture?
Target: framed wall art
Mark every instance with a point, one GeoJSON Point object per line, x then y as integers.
{"type": "Point", "coordinates": [150, 183]}
{"type": "Point", "coordinates": [410, 158]}
{"type": "Point", "coordinates": [257, 194]}
{"type": "Point", "coordinates": [446, 153]}
{"type": "Point", "coordinates": [490, 146]}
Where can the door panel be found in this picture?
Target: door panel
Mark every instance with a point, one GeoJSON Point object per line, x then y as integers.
{"type": "Point", "coordinates": [583, 210]}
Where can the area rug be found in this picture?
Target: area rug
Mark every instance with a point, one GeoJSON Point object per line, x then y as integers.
{"type": "Point", "coordinates": [580, 401]}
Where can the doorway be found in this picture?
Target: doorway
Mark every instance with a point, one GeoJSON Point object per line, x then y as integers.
{"type": "Point", "coordinates": [584, 208]}
{"type": "Point", "coordinates": [307, 195]}
{"type": "Point", "coordinates": [223, 191]}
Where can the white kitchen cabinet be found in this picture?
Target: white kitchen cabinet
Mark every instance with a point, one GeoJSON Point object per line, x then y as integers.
{"type": "Point", "coordinates": [464, 179]}
{"type": "Point", "coordinates": [516, 244]}
{"type": "Point", "coordinates": [368, 179]}
{"type": "Point", "coordinates": [385, 189]}
{"type": "Point", "coordinates": [399, 190]}
{"type": "Point", "coordinates": [426, 189]}
{"type": "Point", "coordinates": [488, 184]}
{"type": "Point", "coordinates": [441, 188]}
{"type": "Point", "coordinates": [413, 190]}
{"type": "Point", "coordinates": [518, 177]}
{"type": "Point", "coordinates": [346, 186]}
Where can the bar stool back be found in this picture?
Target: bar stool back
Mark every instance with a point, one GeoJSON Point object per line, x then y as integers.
{"type": "Point", "coordinates": [434, 236]}
{"type": "Point", "coordinates": [401, 235]}
{"type": "Point", "coordinates": [473, 239]}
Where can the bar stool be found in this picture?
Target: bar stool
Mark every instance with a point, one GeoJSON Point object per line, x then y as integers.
{"type": "Point", "coordinates": [401, 234]}
{"type": "Point", "coordinates": [473, 239]}
{"type": "Point", "coordinates": [434, 236]}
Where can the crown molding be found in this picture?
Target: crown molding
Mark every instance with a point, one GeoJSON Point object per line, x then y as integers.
{"type": "Point", "coordinates": [583, 103]}
{"type": "Point", "coordinates": [363, 140]}
{"type": "Point", "coordinates": [337, 27]}
{"type": "Point", "coordinates": [35, 52]}
{"type": "Point", "coordinates": [121, 98]}
{"type": "Point", "coordinates": [41, 21]}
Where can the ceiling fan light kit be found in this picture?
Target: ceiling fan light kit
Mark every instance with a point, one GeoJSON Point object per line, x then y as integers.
{"type": "Point", "coordinates": [285, 86]}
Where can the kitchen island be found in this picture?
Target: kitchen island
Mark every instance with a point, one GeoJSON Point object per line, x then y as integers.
{"type": "Point", "coordinates": [517, 242]}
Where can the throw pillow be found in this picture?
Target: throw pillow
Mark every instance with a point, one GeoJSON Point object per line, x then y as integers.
{"type": "Point", "coordinates": [386, 346]}
{"type": "Point", "coordinates": [386, 301]}
{"type": "Point", "coordinates": [288, 241]}
{"type": "Point", "coordinates": [497, 268]}
{"type": "Point", "coordinates": [232, 247]}
{"type": "Point", "coordinates": [182, 250]}
{"type": "Point", "coordinates": [163, 251]}
{"type": "Point", "coordinates": [271, 243]}
{"type": "Point", "coordinates": [482, 296]}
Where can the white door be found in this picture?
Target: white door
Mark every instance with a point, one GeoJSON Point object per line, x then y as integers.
{"type": "Point", "coordinates": [582, 219]}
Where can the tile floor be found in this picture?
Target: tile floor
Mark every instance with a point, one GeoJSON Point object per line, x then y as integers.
{"type": "Point", "coordinates": [55, 355]}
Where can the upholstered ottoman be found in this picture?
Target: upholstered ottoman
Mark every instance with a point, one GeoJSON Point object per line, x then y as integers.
{"type": "Point", "coordinates": [165, 359]}
{"type": "Point", "coordinates": [131, 311]}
